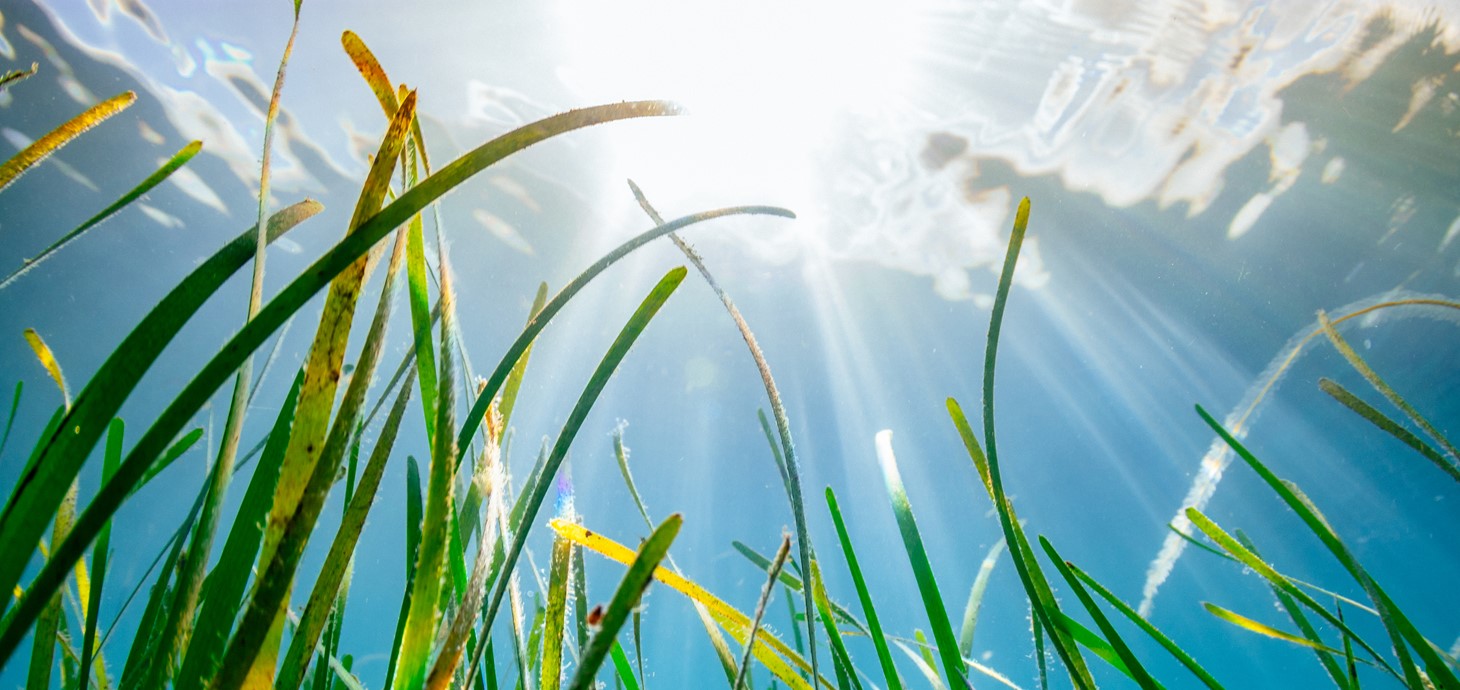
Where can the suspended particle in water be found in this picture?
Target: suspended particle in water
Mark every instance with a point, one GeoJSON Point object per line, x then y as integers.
{"type": "Point", "coordinates": [595, 617]}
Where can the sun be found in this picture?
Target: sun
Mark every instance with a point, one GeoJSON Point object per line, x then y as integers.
{"type": "Point", "coordinates": [766, 83]}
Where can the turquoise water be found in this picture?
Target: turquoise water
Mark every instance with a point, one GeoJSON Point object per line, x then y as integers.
{"type": "Point", "coordinates": [1203, 180]}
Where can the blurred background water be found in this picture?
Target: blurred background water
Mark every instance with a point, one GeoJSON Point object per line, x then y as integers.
{"type": "Point", "coordinates": [1205, 176]}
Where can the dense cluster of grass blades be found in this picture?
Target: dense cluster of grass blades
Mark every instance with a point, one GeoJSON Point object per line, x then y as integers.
{"type": "Point", "coordinates": [208, 623]}
{"type": "Point", "coordinates": [220, 618]}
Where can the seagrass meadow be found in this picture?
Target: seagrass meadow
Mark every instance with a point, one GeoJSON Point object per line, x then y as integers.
{"type": "Point", "coordinates": [914, 345]}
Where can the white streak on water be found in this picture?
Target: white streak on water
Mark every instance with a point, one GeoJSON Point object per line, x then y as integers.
{"type": "Point", "coordinates": [503, 231]}
{"type": "Point", "coordinates": [193, 185]}
{"type": "Point", "coordinates": [1237, 422]}
{"type": "Point", "coordinates": [165, 219]}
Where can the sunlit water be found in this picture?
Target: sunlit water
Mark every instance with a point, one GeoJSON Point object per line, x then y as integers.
{"type": "Point", "coordinates": [1205, 177]}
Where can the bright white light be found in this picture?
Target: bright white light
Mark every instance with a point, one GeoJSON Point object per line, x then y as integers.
{"type": "Point", "coordinates": [766, 81]}
{"type": "Point", "coordinates": [801, 60]}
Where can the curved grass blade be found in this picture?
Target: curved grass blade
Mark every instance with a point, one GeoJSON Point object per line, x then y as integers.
{"type": "Point", "coordinates": [1218, 456]}
{"type": "Point", "coordinates": [793, 585]}
{"type": "Point", "coordinates": [1348, 654]}
{"type": "Point", "coordinates": [625, 599]}
{"type": "Point", "coordinates": [139, 656]}
{"type": "Point", "coordinates": [554, 305]}
{"type": "Point", "coordinates": [722, 650]}
{"type": "Point", "coordinates": [879, 641]}
{"type": "Point", "coordinates": [177, 535]}
{"type": "Point", "coordinates": [327, 584]}
{"type": "Point", "coordinates": [1301, 583]}
{"type": "Point", "coordinates": [622, 668]}
{"type": "Point", "coordinates": [1036, 586]}
{"type": "Point", "coordinates": [1040, 656]}
{"type": "Point", "coordinates": [380, 85]}
{"type": "Point", "coordinates": [444, 447]}
{"type": "Point", "coordinates": [846, 672]}
{"type": "Point", "coordinates": [519, 370]}
{"type": "Point", "coordinates": [557, 610]}
{"type": "Point", "coordinates": [336, 562]}
{"type": "Point", "coordinates": [413, 546]}
{"type": "Point", "coordinates": [1133, 666]}
{"type": "Point", "coordinates": [1399, 627]}
{"type": "Point", "coordinates": [258, 380]}
{"type": "Point", "coordinates": [177, 161]}
{"type": "Point", "coordinates": [43, 648]}
{"type": "Point", "coordinates": [1295, 612]}
{"type": "Point", "coordinates": [1039, 587]}
{"type": "Point", "coordinates": [1389, 393]}
{"type": "Point", "coordinates": [930, 673]}
{"type": "Point", "coordinates": [1379, 419]}
{"type": "Point", "coordinates": [173, 452]}
{"type": "Point", "coordinates": [1160, 638]}
{"type": "Point", "coordinates": [421, 322]}
{"type": "Point", "coordinates": [1263, 629]}
{"type": "Point", "coordinates": [48, 361]}
{"type": "Point", "coordinates": [60, 136]}
{"type": "Point", "coordinates": [271, 588]}
{"type": "Point", "coordinates": [791, 468]}
{"type": "Point", "coordinates": [784, 663]}
{"type": "Point", "coordinates": [16, 76]}
{"type": "Point", "coordinates": [31, 462]}
{"type": "Point", "coordinates": [255, 296]}
{"type": "Point", "coordinates": [10, 418]}
{"type": "Point", "coordinates": [277, 575]}
{"type": "Point", "coordinates": [621, 455]}
{"type": "Point", "coordinates": [341, 668]}
{"type": "Point", "coordinates": [992, 673]}
{"type": "Point", "coordinates": [917, 556]}
{"type": "Point", "coordinates": [99, 556]}
{"type": "Point", "coordinates": [1249, 559]}
{"type": "Point", "coordinates": [531, 501]}
{"type": "Point", "coordinates": [580, 598]}
{"type": "Point", "coordinates": [371, 70]}
{"type": "Point", "coordinates": [224, 588]}
{"type": "Point", "coordinates": [385, 94]}
{"type": "Point", "coordinates": [179, 627]}
{"type": "Point", "coordinates": [925, 649]}
{"type": "Point", "coordinates": [975, 598]}
{"type": "Point", "coordinates": [411, 669]}
{"type": "Point", "coordinates": [1197, 543]}
{"type": "Point", "coordinates": [741, 676]}
{"type": "Point", "coordinates": [522, 640]}
{"type": "Point", "coordinates": [776, 455]}
{"type": "Point", "coordinates": [62, 454]}
{"type": "Point", "coordinates": [322, 374]}
{"type": "Point", "coordinates": [1093, 642]}
{"type": "Point", "coordinates": [74, 446]}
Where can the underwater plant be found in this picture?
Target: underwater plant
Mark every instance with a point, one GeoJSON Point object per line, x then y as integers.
{"type": "Point", "coordinates": [220, 617]}
{"type": "Point", "coordinates": [204, 628]}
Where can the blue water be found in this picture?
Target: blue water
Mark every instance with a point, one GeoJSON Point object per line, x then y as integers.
{"type": "Point", "coordinates": [1203, 181]}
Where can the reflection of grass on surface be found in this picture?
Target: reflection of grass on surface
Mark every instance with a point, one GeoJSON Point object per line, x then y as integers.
{"type": "Point", "coordinates": [223, 627]}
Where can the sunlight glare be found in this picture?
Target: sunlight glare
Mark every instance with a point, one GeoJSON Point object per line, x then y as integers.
{"type": "Point", "coordinates": [766, 83]}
